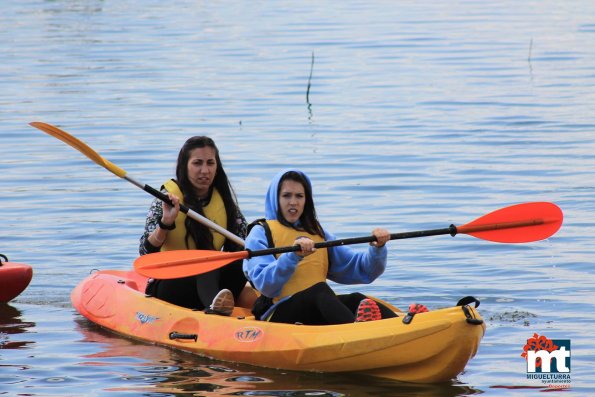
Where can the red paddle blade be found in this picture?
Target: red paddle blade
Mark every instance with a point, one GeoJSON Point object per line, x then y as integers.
{"type": "Point", "coordinates": [184, 263]}
{"type": "Point", "coordinates": [519, 223]}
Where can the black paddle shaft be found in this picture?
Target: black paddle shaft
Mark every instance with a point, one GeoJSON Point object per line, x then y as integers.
{"type": "Point", "coordinates": [163, 197]}
{"type": "Point", "coordinates": [452, 230]}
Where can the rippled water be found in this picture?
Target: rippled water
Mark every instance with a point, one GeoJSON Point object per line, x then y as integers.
{"type": "Point", "coordinates": [417, 116]}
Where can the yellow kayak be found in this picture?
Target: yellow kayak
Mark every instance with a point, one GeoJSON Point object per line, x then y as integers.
{"type": "Point", "coordinates": [434, 347]}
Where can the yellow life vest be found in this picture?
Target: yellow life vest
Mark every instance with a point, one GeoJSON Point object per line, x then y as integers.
{"type": "Point", "coordinates": [311, 270]}
{"type": "Point", "coordinates": [215, 211]}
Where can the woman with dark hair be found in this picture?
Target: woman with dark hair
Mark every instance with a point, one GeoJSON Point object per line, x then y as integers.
{"type": "Point", "coordinates": [200, 184]}
{"type": "Point", "coordinates": [293, 284]}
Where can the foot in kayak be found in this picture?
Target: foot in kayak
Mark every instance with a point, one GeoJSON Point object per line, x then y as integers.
{"type": "Point", "coordinates": [367, 310]}
{"type": "Point", "coordinates": [223, 303]}
{"type": "Point", "coordinates": [415, 308]}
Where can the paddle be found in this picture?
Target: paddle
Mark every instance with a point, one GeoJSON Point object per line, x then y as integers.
{"type": "Point", "coordinates": [114, 169]}
{"type": "Point", "coordinates": [519, 223]}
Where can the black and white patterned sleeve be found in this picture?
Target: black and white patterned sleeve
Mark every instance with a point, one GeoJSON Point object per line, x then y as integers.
{"type": "Point", "coordinates": [242, 225]}
{"type": "Point", "coordinates": [155, 213]}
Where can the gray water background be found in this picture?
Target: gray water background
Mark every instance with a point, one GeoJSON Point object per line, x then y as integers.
{"type": "Point", "coordinates": [416, 115]}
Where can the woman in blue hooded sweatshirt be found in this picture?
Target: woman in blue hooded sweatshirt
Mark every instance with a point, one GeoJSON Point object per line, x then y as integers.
{"type": "Point", "coordinates": [295, 282]}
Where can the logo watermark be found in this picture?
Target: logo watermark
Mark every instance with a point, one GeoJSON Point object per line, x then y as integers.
{"type": "Point", "coordinates": [248, 334]}
{"type": "Point", "coordinates": [548, 360]}
{"type": "Point", "coordinates": [145, 318]}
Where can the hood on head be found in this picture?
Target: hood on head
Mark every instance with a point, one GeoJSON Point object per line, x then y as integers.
{"type": "Point", "coordinates": [271, 204]}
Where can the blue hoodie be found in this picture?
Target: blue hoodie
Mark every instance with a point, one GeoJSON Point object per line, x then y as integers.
{"type": "Point", "coordinates": [346, 266]}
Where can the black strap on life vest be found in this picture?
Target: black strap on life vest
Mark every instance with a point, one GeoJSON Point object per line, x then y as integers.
{"type": "Point", "coordinates": [267, 230]}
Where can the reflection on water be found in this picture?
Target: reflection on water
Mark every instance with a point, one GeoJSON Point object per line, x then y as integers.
{"type": "Point", "coordinates": [99, 362]}
{"type": "Point", "coordinates": [162, 371]}
{"type": "Point", "coordinates": [12, 326]}
{"type": "Point", "coordinates": [166, 372]}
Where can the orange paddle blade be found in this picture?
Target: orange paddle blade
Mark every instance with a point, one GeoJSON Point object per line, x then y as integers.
{"type": "Point", "coordinates": [80, 146]}
{"type": "Point", "coordinates": [519, 223]}
{"type": "Point", "coordinates": [182, 263]}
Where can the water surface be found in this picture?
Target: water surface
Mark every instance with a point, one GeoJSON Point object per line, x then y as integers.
{"type": "Point", "coordinates": [417, 116]}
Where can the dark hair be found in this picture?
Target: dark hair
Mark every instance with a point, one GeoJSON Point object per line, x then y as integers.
{"type": "Point", "coordinates": [200, 233]}
{"type": "Point", "coordinates": [308, 220]}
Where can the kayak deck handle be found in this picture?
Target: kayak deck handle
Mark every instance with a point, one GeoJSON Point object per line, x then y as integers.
{"type": "Point", "coordinates": [471, 319]}
{"type": "Point", "coordinates": [177, 335]}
